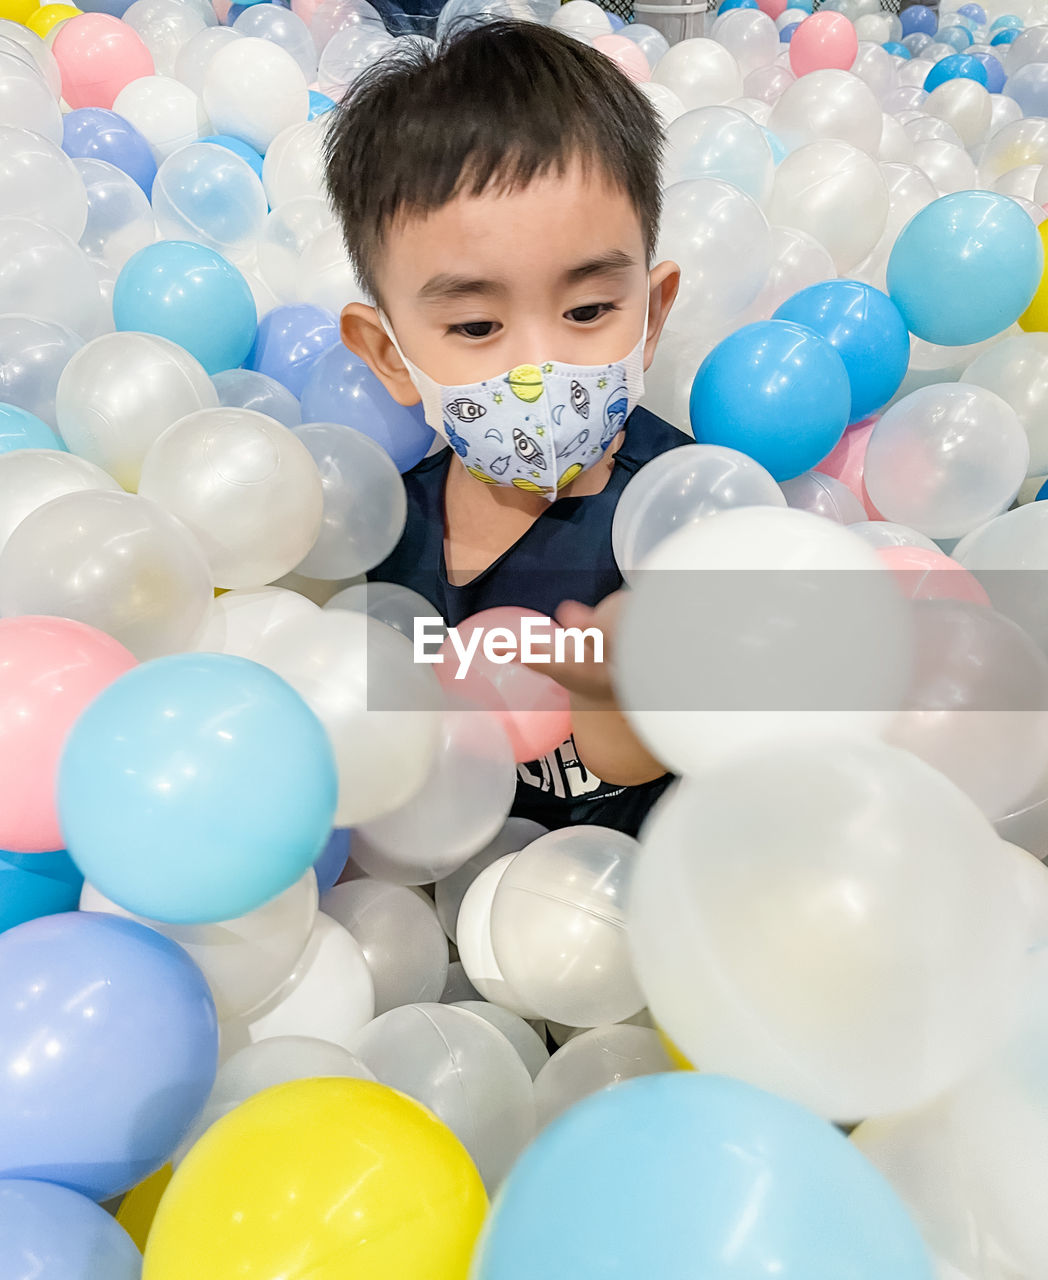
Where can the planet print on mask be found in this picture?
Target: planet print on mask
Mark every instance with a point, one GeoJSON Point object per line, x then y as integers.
{"type": "Point", "coordinates": [525, 381]}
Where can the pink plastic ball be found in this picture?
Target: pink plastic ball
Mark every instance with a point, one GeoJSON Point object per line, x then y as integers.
{"type": "Point", "coordinates": [626, 55]}
{"type": "Point", "coordinates": [930, 575]}
{"type": "Point", "coordinates": [773, 8]}
{"type": "Point", "coordinates": [98, 55]}
{"type": "Point", "coordinates": [305, 9]}
{"type": "Point", "coordinates": [847, 460]}
{"type": "Point", "coordinates": [50, 669]}
{"type": "Point", "coordinates": [825, 40]}
{"type": "Point", "coordinates": [533, 709]}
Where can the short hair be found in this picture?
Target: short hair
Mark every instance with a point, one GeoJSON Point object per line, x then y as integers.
{"type": "Point", "coordinates": [492, 105]}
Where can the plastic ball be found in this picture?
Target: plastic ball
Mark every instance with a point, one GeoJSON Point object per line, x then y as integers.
{"type": "Point", "coordinates": [190, 295]}
{"type": "Point", "coordinates": [119, 219]}
{"type": "Point", "coordinates": [377, 704]}
{"type": "Point", "coordinates": [995, 73]}
{"type": "Point", "coordinates": [238, 621]}
{"type": "Point", "coordinates": [20, 429]}
{"type": "Point", "coordinates": [209, 195]}
{"type": "Point", "coordinates": [38, 182]}
{"type": "Point", "coordinates": [751, 38]}
{"type": "Point", "coordinates": [450, 891]}
{"type": "Point", "coordinates": [557, 926]}
{"type": "Point", "coordinates": [823, 496]}
{"type": "Point", "coordinates": [328, 995]}
{"type": "Point", "coordinates": [700, 72]}
{"type": "Point", "coordinates": [474, 940]}
{"type": "Point", "coordinates": [54, 1231]}
{"type": "Point", "coordinates": [246, 389]}
{"type": "Point", "coordinates": [402, 941]}
{"type": "Point", "coordinates": [652, 43]}
{"type": "Point", "coordinates": [98, 55]}
{"type": "Point", "coordinates": [149, 1042]}
{"type": "Point", "coordinates": [464, 1071]}
{"type": "Point", "coordinates": [253, 89]}
{"type": "Point", "coordinates": [627, 56]}
{"type": "Point", "coordinates": [195, 55]}
{"type": "Point", "coordinates": [1004, 38]}
{"type": "Point", "coordinates": [707, 909]}
{"type": "Point", "coordinates": [956, 65]}
{"type": "Point", "coordinates": [461, 805]}
{"type": "Point", "coordinates": [719, 142]}
{"type": "Point", "coordinates": [946, 459]}
{"type": "Point", "coordinates": [288, 232]}
{"type": "Point", "coordinates": [26, 100]}
{"type": "Point", "coordinates": [93, 133]}
{"type": "Point", "coordinates": [289, 342]}
{"type": "Point", "coordinates": [31, 478]}
{"type": "Point", "coordinates": [682, 487]}
{"type": "Point", "coordinates": [822, 41]}
{"type": "Point", "coordinates": [166, 113]}
{"type": "Point", "coordinates": [117, 394]}
{"type": "Point", "coordinates": [294, 165]}
{"type": "Point", "coordinates": [234, 723]}
{"type": "Point", "coordinates": [828, 104]}
{"type": "Point", "coordinates": [1016, 369]}
{"type": "Point", "coordinates": [965, 268]}
{"type": "Point", "coordinates": [319, 104]}
{"type": "Point", "coordinates": [867, 331]}
{"type": "Point", "coordinates": [598, 1059]}
{"type": "Point", "coordinates": [762, 1170]}
{"type": "Point", "coordinates": [775, 391]}
{"type": "Point", "coordinates": [284, 29]}
{"type": "Point", "coordinates": [318, 1170]}
{"type": "Point", "coordinates": [165, 26]}
{"type": "Point", "coordinates": [45, 274]}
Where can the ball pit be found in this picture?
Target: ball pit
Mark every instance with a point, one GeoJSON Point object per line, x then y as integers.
{"type": "Point", "coordinates": [277, 958]}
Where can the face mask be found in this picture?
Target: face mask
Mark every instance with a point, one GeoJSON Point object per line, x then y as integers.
{"type": "Point", "coordinates": [537, 427]}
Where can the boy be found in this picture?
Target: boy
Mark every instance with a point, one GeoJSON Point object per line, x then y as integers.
{"type": "Point", "coordinates": [499, 200]}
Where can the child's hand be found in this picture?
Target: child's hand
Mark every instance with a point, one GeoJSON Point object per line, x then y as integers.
{"type": "Point", "coordinates": [587, 678]}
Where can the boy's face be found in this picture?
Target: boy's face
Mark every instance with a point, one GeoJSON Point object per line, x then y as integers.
{"type": "Point", "coordinates": [554, 271]}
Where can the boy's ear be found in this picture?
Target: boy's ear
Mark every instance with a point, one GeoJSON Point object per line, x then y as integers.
{"type": "Point", "coordinates": [663, 282]}
{"type": "Point", "coordinates": [363, 334]}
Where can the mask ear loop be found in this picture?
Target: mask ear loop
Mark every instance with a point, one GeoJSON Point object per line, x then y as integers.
{"type": "Point", "coordinates": [429, 389]}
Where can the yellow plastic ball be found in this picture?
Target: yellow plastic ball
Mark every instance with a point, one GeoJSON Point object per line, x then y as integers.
{"type": "Point", "coordinates": [48, 16]}
{"type": "Point", "coordinates": [673, 1053]}
{"type": "Point", "coordinates": [138, 1208]}
{"type": "Point", "coordinates": [18, 10]}
{"type": "Point", "coordinates": [1035, 318]}
{"type": "Point", "coordinates": [321, 1180]}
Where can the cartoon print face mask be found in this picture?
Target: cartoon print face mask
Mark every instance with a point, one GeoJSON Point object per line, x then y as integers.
{"type": "Point", "coordinates": [538, 426]}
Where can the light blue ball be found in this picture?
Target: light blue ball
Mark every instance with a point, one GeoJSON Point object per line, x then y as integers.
{"type": "Point", "coordinates": [896, 49]}
{"type": "Point", "coordinates": [238, 148]}
{"type": "Point", "coordinates": [965, 268]}
{"type": "Point", "coordinates": [1006, 36]}
{"type": "Point", "coordinates": [726, 5]}
{"type": "Point", "coordinates": [55, 1234]}
{"type": "Point", "coordinates": [20, 429]}
{"type": "Point", "coordinates": [319, 104]}
{"type": "Point", "coordinates": [196, 787]}
{"type": "Point", "coordinates": [191, 295]}
{"type": "Point", "coordinates": [778, 147]}
{"type": "Point", "coordinates": [682, 1176]}
{"type": "Point", "coordinates": [1006, 22]}
{"type": "Point", "coordinates": [955, 67]}
{"type": "Point", "coordinates": [37, 884]}
{"type": "Point", "coordinates": [957, 37]}
{"type": "Point", "coordinates": [775, 391]}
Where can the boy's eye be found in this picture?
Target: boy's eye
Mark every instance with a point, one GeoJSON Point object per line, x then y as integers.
{"type": "Point", "coordinates": [593, 311]}
{"type": "Point", "coordinates": [475, 328]}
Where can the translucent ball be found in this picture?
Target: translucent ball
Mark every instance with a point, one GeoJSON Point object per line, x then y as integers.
{"type": "Point", "coordinates": [377, 704]}
{"type": "Point", "coordinates": [166, 113]}
{"type": "Point", "coordinates": [195, 55]}
{"type": "Point", "coordinates": [287, 234]}
{"type": "Point", "coordinates": [166, 27]}
{"type": "Point", "coordinates": [117, 394]}
{"type": "Point", "coordinates": [263, 1065]}
{"type": "Point", "coordinates": [557, 926]}
{"type": "Point", "coordinates": [283, 28]}
{"type": "Point", "coordinates": [450, 891]}
{"type": "Point", "coordinates": [787, 943]}
{"type": "Point", "coordinates": [700, 72]}
{"type": "Point", "coordinates": [1016, 369]}
{"type": "Point", "coordinates": [387, 602]}
{"type": "Point", "coordinates": [19, 40]}
{"type": "Point", "coordinates": [244, 960]}
{"type": "Point", "coordinates": [29, 478]}
{"type": "Point", "coordinates": [348, 53]}
{"type": "Point", "coordinates": [680, 487]}
{"type": "Point", "coordinates": [119, 219]}
{"type": "Point", "coordinates": [115, 561]}
{"type": "Point", "coordinates": [883, 533]}
{"type": "Point", "coordinates": [207, 194]}
{"type": "Point", "coordinates": [253, 89]}
{"type": "Point", "coordinates": [327, 278]}
{"type": "Point", "coordinates": [664, 100]}
{"type": "Point", "coordinates": [26, 99]}
{"type": "Point", "coordinates": [751, 38]}
{"type": "Point", "coordinates": [597, 1059]}
{"type": "Point", "coordinates": [246, 389]}
{"type": "Point", "coordinates": [33, 353]}
{"type": "Point", "coordinates": [38, 181]}
{"type": "Point", "coordinates": [769, 655]}
{"type": "Point", "coordinates": [798, 260]}
{"type": "Point", "coordinates": [43, 273]}
{"type": "Point", "coordinates": [402, 941]}
{"type": "Point", "coordinates": [521, 1035]}
{"type": "Point", "coordinates": [239, 622]}
{"type": "Point", "coordinates": [326, 18]}
{"type": "Point", "coordinates": [245, 486]}
{"type": "Point", "coordinates": [581, 17]}
{"type": "Point", "coordinates": [719, 142]}
{"type": "Point", "coordinates": [327, 996]}
{"type": "Point", "coordinates": [950, 167]}
{"type": "Point", "coordinates": [965, 105]}
{"type": "Point", "coordinates": [946, 459]}
{"type": "Point", "coordinates": [837, 194]}
{"type": "Point", "coordinates": [823, 496]}
{"type": "Point", "coordinates": [294, 166]}
{"type": "Point", "coordinates": [828, 104]}
{"type": "Point", "coordinates": [721, 240]}
{"type": "Point", "coordinates": [466, 1072]}
{"type": "Point", "coordinates": [653, 44]}
{"type": "Point", "coordinates": [1016, 143]}
{"type": "Point", "coordinates": [461, 805]}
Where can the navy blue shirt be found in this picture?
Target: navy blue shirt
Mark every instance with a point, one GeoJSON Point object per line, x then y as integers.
{"type": "Point", "coordinates": [565, 555]}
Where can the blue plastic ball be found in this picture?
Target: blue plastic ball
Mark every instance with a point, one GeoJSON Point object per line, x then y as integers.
{"type": "Point", "coordinates": [1007, 21]}
{"type": "Point", "coordinates": [965, 268]}
{"type": "Point", "coordinates": [786, 34]}
{"type": "Point", "coordinates": [20, 429]}
{"type": "Point", "coordinates": [1006, 36]}
{"type": "Point", "coordinates": [995, 72]}
{"type": "Point", "coordinates": [191, 295]}
{"type": "Point", "coordinates": [37, 884]}
{"type": "Point", "coordinates": [896, 49]}
{"type": "Point", "coordinates": [319, 104]}
{"type": "Point", "coordinates": [865, 328]}
{"type": "Point", "coordinates": [195, 788]}
{"type": "Point", "coordinates": [773, 390]}
{"type": "Point", "coordinates": [332, 861]}
{"type": "Point", "coordinates": [617, 23]}
{"type": "Point", "coordinates": [778, 147]}
{"type": "Point", "coordinates": [974, 11]}
{"type": "Point", "coordinates": [92, 133]}
{"type": "Point", "coordinates": [726, 5]}
{"type": "Point", "coordinates": [289, 342]}
{"type": "Point", "coordinates": [55, 1234]}
{"type": "Point", "coordinates": [239, 148]}
{"type": "Point", "coordinates": [919, 17]}
{"type": "Point", "coordinates": [955, 67]}
{"type": "Point", "coordinates": [1042, 492]}
{"type": "Point", "coordinates": [958, 38]}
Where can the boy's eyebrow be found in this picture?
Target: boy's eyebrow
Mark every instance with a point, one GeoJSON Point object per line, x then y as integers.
{"type": "Point", "coordinates": [602, 264]}
{"type": "Point", "coordinates": [445, 286]}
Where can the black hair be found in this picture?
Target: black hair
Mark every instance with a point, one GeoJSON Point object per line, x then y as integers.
{"type": "Point", "coordinates": [497, 104]}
